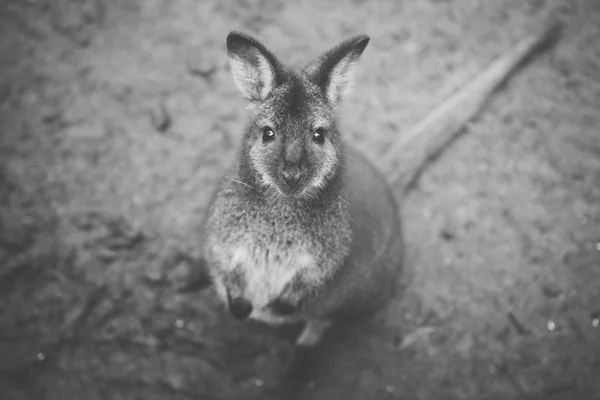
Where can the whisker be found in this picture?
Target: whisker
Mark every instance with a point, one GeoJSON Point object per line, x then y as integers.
{"type": "Point", "coordinates": [242, 183]}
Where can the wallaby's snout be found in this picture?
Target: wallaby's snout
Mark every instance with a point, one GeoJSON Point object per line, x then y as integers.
{"type": "Point", "coordinates": [293, 169]}
{"type": "Point", "coordinates": [292, 177]}
{"type": "Point", "coordinates": [240, 308]}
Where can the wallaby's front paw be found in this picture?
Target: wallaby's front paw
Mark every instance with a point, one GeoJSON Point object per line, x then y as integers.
{"type": "Point", "coordinates": [312, 333]}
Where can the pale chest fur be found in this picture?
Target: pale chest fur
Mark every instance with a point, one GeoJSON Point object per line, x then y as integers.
{"type": "Point", "coordinates": [262, 251]}
{"type": "Point", "coordinates": [259, 271]}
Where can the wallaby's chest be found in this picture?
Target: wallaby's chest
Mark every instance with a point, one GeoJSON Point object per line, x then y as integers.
{"type": "Point", "coordinates": [275, 236]}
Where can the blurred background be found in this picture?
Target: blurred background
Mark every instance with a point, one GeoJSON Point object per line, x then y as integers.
{"type": "Point", "coordinates": [117, 117]}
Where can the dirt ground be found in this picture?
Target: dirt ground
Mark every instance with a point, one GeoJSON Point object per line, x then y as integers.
{"type": "Point", "coordinates": [117, 117]}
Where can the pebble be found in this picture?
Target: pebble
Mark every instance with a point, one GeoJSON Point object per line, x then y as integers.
{"type": "Point", "coordinates": [447, 234]}
{"type": "Point", "coordinates": [154, 273]}
{"type": "Point", "coordinates": [201, 66]}
{"type": "Point", "coordinates": [551, 291]}
{"type": "Point", "coordinates": [51, 115]}
{"type": "Point", "coordinates": [106, 255]}
{"type": "Point", "coordinates": [551, 325]}
{"type": "Point", "coordinates": [176, 380]}
{"type": "Point", "coordinates": [124, 241]}
{"type": "Point", "coordinates": [595, 317]}
{"type": "Point", "coordinates": [149, 341]}
{"type": "Point", "coordinates": [161, 120]}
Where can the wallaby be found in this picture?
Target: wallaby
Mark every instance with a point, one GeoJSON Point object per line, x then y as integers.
{"type": "Point", "coordinates": [303, 228]}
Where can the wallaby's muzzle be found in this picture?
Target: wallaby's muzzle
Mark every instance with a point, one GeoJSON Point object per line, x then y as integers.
{"type": "Point", "coordinates": [292, 177]}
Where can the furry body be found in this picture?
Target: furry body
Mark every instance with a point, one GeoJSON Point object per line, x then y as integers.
{"type": "Point", "coordinates": [302, 227]}
{"type": "Point", "coordinates": [356, 239]}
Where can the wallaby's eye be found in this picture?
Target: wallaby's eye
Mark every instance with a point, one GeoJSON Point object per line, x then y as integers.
{"type": "Point", "coordinates": [283, 307]}
{"type": "Point", "coordinates": [319, 136]}
{"type": "Point", "coordinates": [268, 134]}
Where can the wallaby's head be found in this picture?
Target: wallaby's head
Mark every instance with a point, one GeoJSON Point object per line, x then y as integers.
{"type": "Point", "coordinates": [291, 147]}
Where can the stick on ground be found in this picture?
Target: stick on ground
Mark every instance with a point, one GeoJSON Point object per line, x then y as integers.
{"type": "Point", "coordinates": [430, 136]}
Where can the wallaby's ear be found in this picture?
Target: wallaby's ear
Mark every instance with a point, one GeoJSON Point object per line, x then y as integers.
{"type": "Point", "coordinates": [334, 71]}
{"type": "Point", "coordinates": [256, 71]}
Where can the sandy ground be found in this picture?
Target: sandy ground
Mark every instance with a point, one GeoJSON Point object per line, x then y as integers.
{"type": "Point", "coordinates": [116, 119]}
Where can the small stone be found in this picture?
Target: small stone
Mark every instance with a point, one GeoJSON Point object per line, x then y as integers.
{"type": "Point", "coordinates": [446, 234]}
{"type": "Point", "coordinates": [259, 382]}
{"type": "Point", "coordinates": [149, 341]}
{"type": "Point", "coordinates": [595, 319]}
{"type": "Point", "coordinates": [160, 117]}
{"type": "Point", "coordinates": [418, 335]}
{"type": "Point", "coordinates": [551, 291]}
{"type": "Point", "coordinates": [389, 388]}
{"type": "Point", "coordinates": [176, 380]}
{"type": "Point", "coordinates": [51, 116]}
{"type": "Point", "coordinates": [201, 65]}
{"type": "Point", "coordinates": [40, 356]}
{"type": "Point", "coordinates": [180, 323]}
{"type": "Point", "coordinates": [551, 326]}
{"type": "Point", "coordinates": [598, 246]}
{"type": "Point", "coordinates": [126, 240]}
{"type": "Point", "coordinates": [154, 274]}
{"type": "Point", "coordinates": [105, 254]}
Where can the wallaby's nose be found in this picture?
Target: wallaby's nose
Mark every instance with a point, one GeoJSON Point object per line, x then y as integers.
{"type": "Point", "coordinates": [291, 178]}
{"type": "Point", "coordinates": [240, 308]}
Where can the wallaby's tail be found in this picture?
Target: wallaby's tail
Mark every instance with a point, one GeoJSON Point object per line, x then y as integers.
{"type": "Point", "coordinates": [428, 138]}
